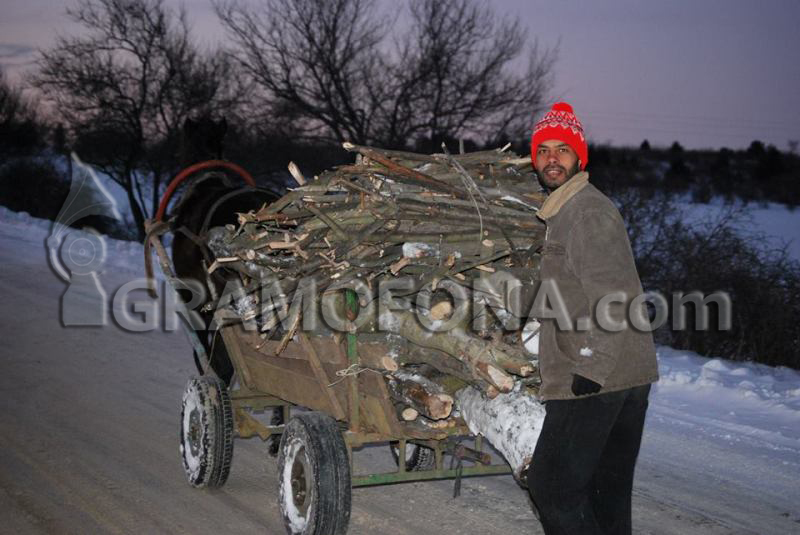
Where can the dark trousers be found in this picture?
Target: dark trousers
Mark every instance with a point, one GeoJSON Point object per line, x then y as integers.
{"type": "Point", "coordinates": [581, 475]}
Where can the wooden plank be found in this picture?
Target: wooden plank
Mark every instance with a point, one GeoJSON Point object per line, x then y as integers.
{"type": "Point", "coordinates": [353, 400]}
{"type": "Point", "coordinates": [322, 377]}
{"type": "Point", "coordinates": [292, 351]}
{"type": "Point", "coordinates": [370, 353]}
{"type": "Point", "coordinates": [326, 347]}
{"type": "Point", "coordinates": [373, 418]}
{"type": "Point", "coordinates": [298, 377]}
{"type": "Point", "coordinates": [231, 339]}
{"type": "Point", "coordinates": [289, 385]}
{"type": "Point", "coordinates": [378, 410]}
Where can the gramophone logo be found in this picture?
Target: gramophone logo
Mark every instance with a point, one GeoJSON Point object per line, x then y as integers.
{"type": "Point", "coordinates": [78, 256]}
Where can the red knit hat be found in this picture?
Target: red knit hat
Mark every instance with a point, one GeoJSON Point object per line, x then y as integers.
{"type": "Point", "coordinates": [560, 123]}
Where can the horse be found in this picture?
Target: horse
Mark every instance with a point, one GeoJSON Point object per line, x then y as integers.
{"type": "Point", "coordinates": [210, 199]}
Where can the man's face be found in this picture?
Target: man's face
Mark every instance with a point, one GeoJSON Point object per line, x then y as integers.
{"type": "Point", "coordinates": [556, 163]}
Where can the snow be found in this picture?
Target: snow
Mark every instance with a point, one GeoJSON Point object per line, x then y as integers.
{"type": "Point", "coordinates": [295, 518]}
{"type": "Point", "coordinates": [530, 337]}
{"type": "Point", "coordinates": [191, 404]}
{"type": "Point", "coordinates": [745, 405]}
{"type": "Point", "coordinates": [509, 198]}
{"type": "Point", "coordinates": [779, 225]}
{"type": "Point", "coordinates": [511, 422]}
{"type": "Point", "coordinates": [705, 407]}
{"type": "Point", "coordinates": [751, 402]}
{"type": "Point", "coordinates": [715, 428]}
{"type": "Point", "coordinates": [418, 250]}
{"type": "Point", "coordinates": [124, 256]}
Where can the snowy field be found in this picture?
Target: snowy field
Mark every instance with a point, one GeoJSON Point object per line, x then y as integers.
{"type": "Point", "coordinates": [721, 452]}
{"type": "Point", "coordinates": [777, 223]}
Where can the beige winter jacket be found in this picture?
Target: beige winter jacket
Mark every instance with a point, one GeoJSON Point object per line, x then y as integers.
{"type": "Point", "coordinates": [586, 256]}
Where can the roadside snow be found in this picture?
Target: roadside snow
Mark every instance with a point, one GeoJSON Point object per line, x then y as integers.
{"type": "Point", "coordinates": [121, 256]}
{"type": "Point", "coordinates": [748, 406]}
{"type": "Point", "coordinates": [717, 430]}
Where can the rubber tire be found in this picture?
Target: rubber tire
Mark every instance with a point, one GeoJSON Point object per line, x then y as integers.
{"type": "Point", "coordinates": [420, 459]}
{"type": "Point", "coordinates": [206, 433]}
{"type": "Point", "coordinates": [313, 459]}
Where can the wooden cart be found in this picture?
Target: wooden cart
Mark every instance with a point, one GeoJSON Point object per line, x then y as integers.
{"type": "Point", "coordinates": [328, 413]}
{"type": "Point", "coordinates": [332, 401]}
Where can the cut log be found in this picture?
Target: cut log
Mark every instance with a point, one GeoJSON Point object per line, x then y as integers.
{"type": "Point", "coordinates": [511, 422]}
{"type": "Point", "coordinates": [441, 310]}
{"type": "Point", "coordinates": [407, 414]}
{"type": "Point", "coordinates": [420, 394]}
{"type": "Point", "coordinates": [435, 220]}
{"type": "Point", "coordinates": [296, 174]}
{"type": "Point", "coordinates": [436, 359]}
{"type": "Point", "coordinates": [483, 358]}
{"type": "Point", "coordinates": [438, 424]}
{"type": "Point", "coordinates": [388, 363]}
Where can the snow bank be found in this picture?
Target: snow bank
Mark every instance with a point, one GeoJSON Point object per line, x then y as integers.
{"type": "Point", "coordinates": [121, 256]}
{"type": "Point", "coordinates": [736, 402]}
{"type": "Point", "coordinates": [756, 385]}
{"type": "Point", "coordinates": [751, 408]}
{"type": "Point", "coordinates": [27, 226]}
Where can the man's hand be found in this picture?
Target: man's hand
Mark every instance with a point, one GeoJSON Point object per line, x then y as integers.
{"type": "Point", "coordinates": [581, 386]}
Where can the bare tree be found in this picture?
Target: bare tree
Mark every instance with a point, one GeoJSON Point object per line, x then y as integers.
{"type": "Point", "coordinates": [19, 123]}
{"type": "Point", "coordinates": [328, 66]}
{"type": "Point", "coordinates": [465, 72]}
{"type": "Point", "coordinates": [124, 86]}
{"type": "Point", "coordinates": [311, 59]}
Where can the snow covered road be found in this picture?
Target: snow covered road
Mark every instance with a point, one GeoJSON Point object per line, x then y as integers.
{"type": "Point", "coordinates": [89, 436]}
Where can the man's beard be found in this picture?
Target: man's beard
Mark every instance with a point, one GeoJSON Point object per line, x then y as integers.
{"type": "Point", "coordinates": [550, 186]}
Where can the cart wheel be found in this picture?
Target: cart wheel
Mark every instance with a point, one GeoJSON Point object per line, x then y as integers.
{"type": "Point", "coordinates": [206, 432]}
{"type": "Point", "coordinates": [418, 458]}
{"type": "Point", "coordinates": [314, 472]}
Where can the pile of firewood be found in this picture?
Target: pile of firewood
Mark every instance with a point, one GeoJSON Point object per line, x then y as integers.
{"type": "Point", "coordinates": [453, 228]}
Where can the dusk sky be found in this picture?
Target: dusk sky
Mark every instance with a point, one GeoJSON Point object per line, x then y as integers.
{"type": "Point", "coordinates": [708, 73]}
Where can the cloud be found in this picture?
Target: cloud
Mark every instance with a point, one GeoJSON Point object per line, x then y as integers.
{"type": "Point", "coordinates": [13, 55]}
{"type": "Point", "coordinates": [12, 51]}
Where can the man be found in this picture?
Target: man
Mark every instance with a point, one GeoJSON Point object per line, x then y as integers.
{"type": "Point", "coordinates": [596, 367]}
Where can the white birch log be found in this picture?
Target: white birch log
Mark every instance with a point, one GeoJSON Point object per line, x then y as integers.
{"type": "Point", "coordinates": [511, 422]}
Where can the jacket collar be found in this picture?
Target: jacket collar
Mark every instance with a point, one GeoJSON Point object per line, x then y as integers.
{"type": "Point", "coordinates": [561, 195]}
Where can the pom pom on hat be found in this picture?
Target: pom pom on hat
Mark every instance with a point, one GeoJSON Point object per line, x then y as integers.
{"type": "Point", "coordinates": [562, 106]}
{"type": "Point", "coordinates": [562, 124]}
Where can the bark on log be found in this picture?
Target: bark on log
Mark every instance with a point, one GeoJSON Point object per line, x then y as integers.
{"type": "Point", "coordinates": [511, 422]}
{"type": "Point", "coordinates": [436, 359]}
{"type": "Point", "coordinates": [420, 394]}
{"type": "Point", "coordinates": [483, 358]}
{"type": "Point", "coordinates": [437, 218]}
